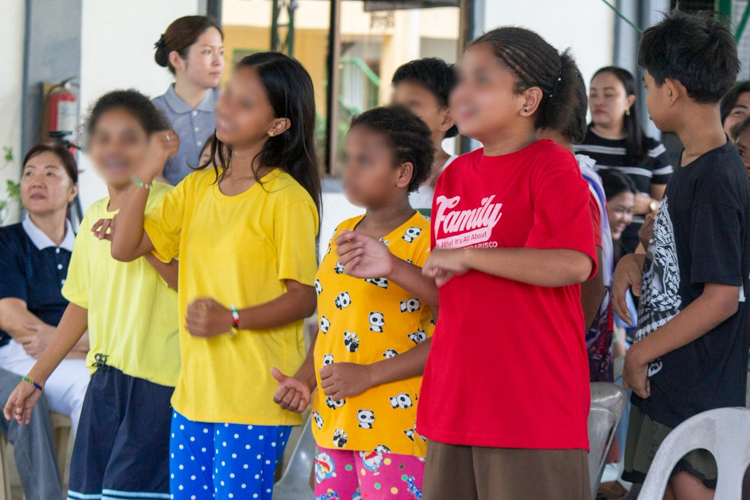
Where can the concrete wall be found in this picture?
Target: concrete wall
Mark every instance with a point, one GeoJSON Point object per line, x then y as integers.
{"type": "Point", "coordinates": [586, 27]}
{"type": "Point", "coordinates": [53, 54]}
{"type": "Point", "coordinates": [12, 22]}
{"type": "Point", "coordinates": [117, 40]}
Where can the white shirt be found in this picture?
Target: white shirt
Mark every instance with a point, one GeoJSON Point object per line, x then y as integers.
{"type": "Point", "coordinates": [42, 241]}
{"type": "Point", "coordinates": [422, 197]}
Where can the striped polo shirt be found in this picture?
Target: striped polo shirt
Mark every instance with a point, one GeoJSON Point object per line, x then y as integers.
{"type": "Point", "coordinates": [654, 168]}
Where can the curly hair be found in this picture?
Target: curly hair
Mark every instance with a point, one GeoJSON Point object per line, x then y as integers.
{"type": "Point", "coordinates": [409, 137]}
{"type": "Point", "coordinates": [138, 105]}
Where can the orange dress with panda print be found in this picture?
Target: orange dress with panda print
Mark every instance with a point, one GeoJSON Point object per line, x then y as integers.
{"type": "Point", "coordinates": [365, 321]}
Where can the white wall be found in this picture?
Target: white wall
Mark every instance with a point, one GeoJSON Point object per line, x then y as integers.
{"type": "Point", "coordinates": [118, 53]}
{"type": "Point", "coordinates": [12, 22]}
{"type": "Point", "coordinates": [586, 26]}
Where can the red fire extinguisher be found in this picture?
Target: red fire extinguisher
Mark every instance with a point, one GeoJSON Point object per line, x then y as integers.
{"type": "Point", "coordinates": [61, 122]}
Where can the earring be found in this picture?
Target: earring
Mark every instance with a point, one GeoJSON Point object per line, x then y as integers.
{"type": "Point", "coordinates": [627, 112]}
{"type": "Point", "coordinates": [271, 133]}
{"type": "Point", "coordinates": [525, 110]}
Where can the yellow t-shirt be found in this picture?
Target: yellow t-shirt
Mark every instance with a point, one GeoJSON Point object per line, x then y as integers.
{"type": "Point", "coordinates": [132, 313]}
{"type": "Point", "coordinates": [364, 321]}
{"type": "Point", "coordinates": [236, 250]}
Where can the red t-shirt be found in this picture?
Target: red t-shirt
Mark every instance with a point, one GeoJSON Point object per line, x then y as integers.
{"type": "Point", "coordinates": [596, 222]}
{"type": "Point", "coordinates": [508, 365]}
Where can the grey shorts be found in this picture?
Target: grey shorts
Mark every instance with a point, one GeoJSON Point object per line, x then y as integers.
{"type": "Point", "coordinates": [478, 473]}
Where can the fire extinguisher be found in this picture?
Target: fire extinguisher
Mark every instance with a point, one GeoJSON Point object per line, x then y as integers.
{"type": "Point", "coordinates": [61, 110]}
{"type": "Point", "coordinates": [60, 124]}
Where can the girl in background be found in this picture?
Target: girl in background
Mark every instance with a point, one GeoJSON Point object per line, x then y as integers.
{"type": "Point", "coordinates": [245, 230]}
{"type": "Point", "coordinates": [621, 194]}
{"type": "Point", "coordinates": [122, 446]}
{"type": "Point", "coordinates": [615, 140]}
{"type": "Point", "coordinates": [375, 315]}
{"type": "Point", "coordinates": [193, 50]}
{"type": "Point", "coordinates": [512, 241]}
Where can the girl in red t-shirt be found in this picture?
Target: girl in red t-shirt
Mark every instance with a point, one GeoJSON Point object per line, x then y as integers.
{"type": "Point", "coordinates": [506, 393]}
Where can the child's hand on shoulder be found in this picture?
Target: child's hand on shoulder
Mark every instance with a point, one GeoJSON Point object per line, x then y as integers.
{"type": "Point", "coordinates": [292, 393]}
{"type": "Point", "coordinates": [363, 256]}
{"type": "Point", "coordinates": [208, 318]}
{"type": "Point", "coordinates": [344, 380]}
{"type": "Point", "coordinates": [161, 146]}
{"type": "Point", "coordinates": [443, 264]}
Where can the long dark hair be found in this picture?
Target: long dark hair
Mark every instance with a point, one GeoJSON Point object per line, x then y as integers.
{"type": "Point", "coordinates": [290, 92]}
{"type": "Point", "coordinates": [635, 141]}
{"type": "Point", "coordinates": [180, 36]}
{"type": "Point", "coordinates": [615, 182]}
{"type": "Point", "coordinates": [536, 63]}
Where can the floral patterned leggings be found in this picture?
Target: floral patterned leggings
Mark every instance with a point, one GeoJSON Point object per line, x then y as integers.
{"type": "Point", "coordinates": [359, 475]}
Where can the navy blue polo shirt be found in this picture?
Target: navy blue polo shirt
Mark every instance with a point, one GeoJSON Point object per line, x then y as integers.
{"type": "Point", "coordinates": [33, 269]}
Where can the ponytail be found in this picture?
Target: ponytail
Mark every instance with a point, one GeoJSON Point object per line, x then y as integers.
{"type": "Point", "coordinates": [536, 63]}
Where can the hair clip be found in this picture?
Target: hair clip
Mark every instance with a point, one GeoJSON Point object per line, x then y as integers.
{"type": "Point", "coordinates": [159, 42]}
{"type": "Point", "coordinates": [554, 90]}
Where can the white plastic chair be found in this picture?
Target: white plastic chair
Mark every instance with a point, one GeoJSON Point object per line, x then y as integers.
{"type": "Point", "coordinates": [724, 432]}
{"type": "Point", "coordinates": [295, 482]}
{"type": "Point", "coordinates": [607, 404]}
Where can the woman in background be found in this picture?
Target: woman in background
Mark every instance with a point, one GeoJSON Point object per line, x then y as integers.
{"type": "Point", "coordinates": [193, 50]}
{"type": "Point", "coordinates": [616, 141]}
{"type": "Point", "coordinates": [34, 265]}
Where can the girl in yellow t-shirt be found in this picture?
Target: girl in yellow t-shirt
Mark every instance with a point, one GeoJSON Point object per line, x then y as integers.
{"type": "Point", "coordinates": [375, 328]}
{"type": "Point", "coordinates": [122, 444]}
{"type": "Point", "coordinates": [244, 229]}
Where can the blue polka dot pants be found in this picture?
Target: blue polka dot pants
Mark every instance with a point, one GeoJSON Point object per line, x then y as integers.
{"type": "Point", "coordinates": [223, 461]}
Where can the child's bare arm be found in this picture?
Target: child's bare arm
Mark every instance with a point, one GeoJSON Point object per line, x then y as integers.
{"type": "Point", "coordinates": [715, 305]}
{"type": "Point", "coordinates": [592, 294]}
{"type": "Point", "coordinates": [70, 329]}
{"type": "Point", "coordinates": [343, 380]}
{"type": "Point", "coordinates": [168, 272]}
{"type": "Point", "coordinates": [540, 267]}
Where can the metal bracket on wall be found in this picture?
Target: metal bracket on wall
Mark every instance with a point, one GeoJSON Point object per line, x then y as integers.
{"type": "Point", "coordinates": [743, 23]}
{"type": "Point", "coordinates": [285, 45]}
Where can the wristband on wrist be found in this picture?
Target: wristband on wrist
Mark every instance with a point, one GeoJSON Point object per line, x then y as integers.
{"type": "Point", "coordinates": [142, 184]}
{"type": "Point", "coordinates": [235, 321]}
{"type": "Point", "coordinates": [27, 379]}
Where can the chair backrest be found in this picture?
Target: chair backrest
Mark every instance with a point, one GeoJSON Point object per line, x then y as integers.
{"type": "Point", "coordinates": [724, 432]}
{"type": "Point", "coordinates": [295, 482]}
{"type": "Point", "coordinates": [607, 404]}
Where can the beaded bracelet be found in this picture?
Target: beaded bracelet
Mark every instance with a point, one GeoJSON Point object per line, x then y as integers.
{"type": "Point", "coordinates": [235, 321]}
{"type": "Point", "coordinates": [27, 379]}
{"type": "Point", "coordinates": [142, 184]}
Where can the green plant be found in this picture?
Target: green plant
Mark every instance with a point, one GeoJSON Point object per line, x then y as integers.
{"type": "Point", "coordinates": [12, 194]}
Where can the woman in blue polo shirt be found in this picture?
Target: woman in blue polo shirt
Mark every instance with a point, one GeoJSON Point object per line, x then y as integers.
{"type": "Point", "coordinates": [193, 50]}
{"type": "Point", "coordinates": [34, 257]}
